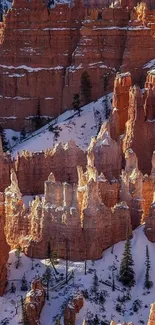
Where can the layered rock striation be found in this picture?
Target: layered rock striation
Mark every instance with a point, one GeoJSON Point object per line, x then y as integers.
{"type": "Point", "coordinates": [40, 75]}
{"type": "Point", "coordinates": [68, 214]}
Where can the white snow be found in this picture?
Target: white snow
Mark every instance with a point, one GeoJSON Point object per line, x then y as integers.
{"type": "Point", "coordinates": [150, 64]}
{"type": "Point", "coordinates": [30, 69]}
{"type": "Point", "coordinates": [103, 267]}
{"type": "Point", "coordinates": [68, 126]}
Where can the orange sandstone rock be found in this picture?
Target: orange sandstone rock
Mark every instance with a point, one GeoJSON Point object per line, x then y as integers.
{"type": "Point", "coordinates": [34, 302]}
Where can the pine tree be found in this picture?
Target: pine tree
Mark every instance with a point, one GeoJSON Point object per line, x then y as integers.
{"type": "Point", "coordinates": [95, 283]}
{"type": "Point", "coordinates": [22, 134]}
{"type": "Point", "coordinates": [101, 298]}
{"type": "Point", "coordinates": [5, 144]}
{"type": "Point", "coordinates": [13, 288]}
{"type": "Point", "coordinates": [126, 274]}
{"type": "Point", "coordinates": [96, 320]}
{"type": "Point", "coordinates": [25, 320]}
{"type": "Point", "coordinates": [18, 256]}
{"type": "Point", "coordinates": [50, 255]}
{"type": "Point", "coordinates": [38, 117]}
{"type": "Point", "coordinates": [105, 82]}
{"type": "Point", "coordinates": [113, 279]}
{"type": "Point", "coordinates": [85, 88]}
{"type": "Point", "coordinates": [148, 283]}
{"type": "Point", "coordinates": [76, 103]}
{"type": "Point", "coordinates": [47, 276]}
{"type": "Point", "coordinates": [24, 285]}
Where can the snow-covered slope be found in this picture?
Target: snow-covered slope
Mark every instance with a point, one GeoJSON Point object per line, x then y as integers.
{"type": "Point", "coordinates": [105, 311]}
{"type": "Point", "coordinates": [66, 127]}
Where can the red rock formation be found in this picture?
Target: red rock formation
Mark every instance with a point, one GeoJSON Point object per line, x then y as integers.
{"type": "Point", "coordinates": [38, 71]}
{"type": "Point", "coordinates": [131, 188]}
{"type": "Point", "coordinates": [150, 223]}
{"type": "Point", "coordinates": [67, 213]}
{"type": "Point", "coordinates": [140, 131]}
{"type": "Point", "coordinates": [34, 302]}
{"type": "Point", "coordinates": [151, 319]}
{"type": "Point", "coordinates": [34, 57]}
{"type": "Point", "coordinates": [107, 153]}
{"type": "Point", "coordinates": [72, 309]}
{"type": "Point", "coordinates": [122, 85]}
{"type": "Point", "coordinates": [33, 169]}
{"type": "Point", "coordinates": [4, 251]}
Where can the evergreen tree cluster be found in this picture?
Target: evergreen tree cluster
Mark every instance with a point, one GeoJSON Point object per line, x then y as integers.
{"type": "Point", "coordinates": [127, 274]}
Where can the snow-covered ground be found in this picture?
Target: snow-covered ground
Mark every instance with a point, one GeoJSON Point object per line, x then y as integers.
{"type": "Point", "coordinates": [103, 267]}
{"type": "Point", "coordinates": [66, 127]}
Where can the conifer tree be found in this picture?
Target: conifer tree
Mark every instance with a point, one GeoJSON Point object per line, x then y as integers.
{"type": "Point", "coordinates": [50, 254]}
{"type": "Point", "coordinates": [5, 144]}
{"type": "Point", "coordinates": [126, 274]}
{"type": "Point", "coordinates": [113, 279]}
{"type": "Point", "coordinates": [96, 320]}
{"type": "Point", "coordinates": [47, 276]}
{"type": "Point", "coordinates": [13, 288]}
{"type": "Point", "coordinates": [76, 103]}
{"type": "Point", "coordinates": [25, 319]}
{"type": "Point", "coordinates": [18, 256]}
{"type": "Point", "coordinates": [147, 283]}
{"type": "Point", "coordinates": [24, 285]}
{"type": "Point", "coordinates": [95, 283]}
{"type": "Point", "coordinates": [86, 87]}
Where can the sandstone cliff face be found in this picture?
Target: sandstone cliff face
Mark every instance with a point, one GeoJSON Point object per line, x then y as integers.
{"type": "Point", "coordinates": [34, 302]}
{"type": "Point", "coordinates": [33, 169]}
{"type": "Point", "coordinates": [150, 222]}
{"type": "Point", "coordinates": [122, 85]}
{"type": "Point", "coordinates": [107, 153]}
{"type": "Point", "coordinates": [131, 188]}
{"type": "Point", "coordinates": [4, 252]}
{"type": "Point", "coordinates": [40, 73]}
{"type": "Point", "coordinates": [68, 214]}
{"type": "Point", "coordinates": [140, 130]}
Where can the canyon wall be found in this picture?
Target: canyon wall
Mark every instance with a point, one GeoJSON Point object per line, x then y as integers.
{"type": "Point", "coordinates": [40, 75]}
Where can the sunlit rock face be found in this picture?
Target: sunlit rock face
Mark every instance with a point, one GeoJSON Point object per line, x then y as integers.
{"type": "Point", "coordinates": [68, 214]}
{"type": "Point", "coordinates": [4, 252]}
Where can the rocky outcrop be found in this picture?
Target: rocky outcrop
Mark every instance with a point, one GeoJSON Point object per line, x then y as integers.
{"type": "Point", "coordinates": [122, 85]}
{"type": "Point", "coordinates": [151, 319]}
{"type": "Point", "coordinates": [131, 188]}
{"type": "Point", "coordinates": [68, 214]}
{"type": "Point", "coordinates": [150, 222]}
{"type": "Point", "coordinates": [139, 129]}
{"type": "Point", "coordinates": [34, 302]}
{"type": "Point", "coordinates": [72, 309]}
{"type": "Point", "coordinates": [4, 252]}
{"type": "Point", "coordinates": [40, 75]}
{"type": "Point", "coordinates": [33, 169]}
{"type": "Point", "coordinates": [107, 153]}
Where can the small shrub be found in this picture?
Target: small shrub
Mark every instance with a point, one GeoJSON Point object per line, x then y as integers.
{"type": "Point", "coordinates": [85, 294]}
{"type": "Point", "coordinates": [14, 138]}
{"type": "Point", "coordinates": [136, 305]}
{"type": "Point", "coordinates": [118, 308]}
